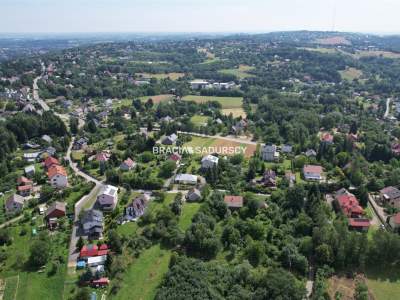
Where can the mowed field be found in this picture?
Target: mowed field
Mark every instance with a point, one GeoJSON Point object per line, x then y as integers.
{"type": "Point", "coordinates": [385, 54]}
{"type": "Point", "coordinates": [210, 145]}
{"type": "Point", "coordinates": [335, 40]}
{"type": "Point", "coordinates": [156, 99]}
{"type": "Point", "coordinates": [230, 105]}
{"type": "Point", "coordinates": [351, 74]}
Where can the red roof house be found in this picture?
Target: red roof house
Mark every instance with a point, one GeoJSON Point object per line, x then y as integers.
{"type": "Point", "coordinates": [327, 138]}
{"type": "Point", "coordinates": [24, 181]}
{"type": "Point", "coordinates": [175, 157]}
{"type": "Point", "coordinates": [233, 201]}
{"type": "Point", "coordinates": [349, 205]}
{"type": "Point", "coordinates": [88, 251]}
{"type": "Point", "coordinates": [103, 156]}
{"type": "Point", "coordinates": [93, 250]}
{"type": "Point", "coordinates": [359, 223]}
{"type": "Point", "coordinates": [50, 161]}
{"type": "Point", "coordinates": [100, 282]}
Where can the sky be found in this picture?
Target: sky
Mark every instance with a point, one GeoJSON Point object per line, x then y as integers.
{"type": "Point", "coordinates": [70, 16]}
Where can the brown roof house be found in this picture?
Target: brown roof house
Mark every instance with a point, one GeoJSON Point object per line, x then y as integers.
{"type": "Point", "coordinates": [53, 213]}
{"type": "Point", "coordinates": [233, 202]}
{"type": "Point", "coordinates": [390, 195]}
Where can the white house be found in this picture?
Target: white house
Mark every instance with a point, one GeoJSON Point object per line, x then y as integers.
{"type": "Point", "coordinates": [186, 179]}
{"type": "Point", "coordinates": [312, 172]}
{"type": "Point", "coordinates": [199, 84]}
{"type": "Point", "coordinates": [14, 203]}
{"type": "Point", "coordinates": [96, 260]}
{"type": "Point", "coordinates": [209, 161]}
{"type": "Point", "coordinates": [57, 176]}
{"type": "Point", "coordinates": [107, 198]}
{"type": "Point", "coordinates": [270, 153]}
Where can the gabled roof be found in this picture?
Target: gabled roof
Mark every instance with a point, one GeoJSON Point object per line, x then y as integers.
{"type": "Point", "coordinates": [109, 190]}
{"type": "Point", "coordinates": [312, 169]}
{"type": "Point", "coordinates": [56, 206]}
{"type": "Point", "coordinates": [15, 198]}
{"type": "Point", "coordinates": [390, 192]}
{"type": "Point", "coordinates": [359, 222]}
{"type": "Point", "coordinates": [233, 201]}
{"type": "Point", "coordinates": [210, 158]}
{"type": "Point", "coordinates": [24, 181]}
{"type": "Point", "coordinates": [129, 162]}
{"type": "Point", "coordinates": [56, 170]}
{"type": "Point", "coordinates": [49, 161]}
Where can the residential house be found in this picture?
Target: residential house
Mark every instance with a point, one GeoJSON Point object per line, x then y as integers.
{"type": "Point", "coordinates": [14, 204]}
{"type": "Point", "coordinates": [25, 186]}
{"type": "Point", "coordinates": [186, 179]}
{"type": "Point", "coordinates": [170, 139]}
{"type": "Point", "coordinates": [390, 195]}
{"type": "Point", "coordinates": [49, 151]}
{"type": "Point", "coordinates": [30, 171]}
{"type": "Point", "coordinates": [93, 250]}
{"type": "Point", "coordinates": [233, 202]}
{"type": "Point", "coordinates": [291, 177]}
{"type": "Point", "coordinates": [359, 224]}
{"type": "Point", "coordinates": [137, 207]}
{"type": "Point", "coordinates": [107, 198]}
{"type": "Point", "coordinates": [50, 161]}
{"type": "Point", "coordinates": [269, 179]}
{"type": "Point", "coordinates": [55, 211]}
{"type": "Point", "coordinates": [101, 282]}
{"type": "Point", "coordinates": [311, 153]}
{"type": "Point", "coordinates": [394, 221]}
{"type": "Point", "coordinates": [199, 84]}
{"type": "Point", "coordinates": [312, 172]}
{"type": "Point", "coordinates": [326, 138]}
{"type": "Point", "coordinates": [80, 144]}
{"type": "Point", "coordinates": [209, 161]}
{"type": "Point", "coordinates": [96, 260]}
{"type": "Point", "coordinates": [31, 156]}
{"type": "Point", "coordinates": [103, 157]}
{"type": "Point", "coordinates": [176, 157]}
{"type": "Point", "coordinates": [396, 149]}
{"type": "Point", "coordinates": [269, 153]}
{"type": "Point", "coordinates": [193, 195]}
{"type": "Point", "coordinates": [349, 205]}
{"type": "Point", "coordinates": [57, 176]}
{"type": "Point", "coordinates": [287, 149]}
{"type": "Point", "coordinates": [166, 119]}
{"type": "Point", "coordinates": [92, 223]}
{"type": "Point", "coordinates": [127, 164]}
{"type": "Point", "coordinates": [239, 127]}
{"type": "Point", "coordinates": [47, 139]}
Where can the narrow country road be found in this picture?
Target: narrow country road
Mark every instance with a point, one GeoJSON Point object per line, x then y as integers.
{"type": "Point", "coordinates": [387, 108]}
{"type": "Point", "coordinates": [43, 104]}
{"type": "Point", "coordinates": [11, 221]}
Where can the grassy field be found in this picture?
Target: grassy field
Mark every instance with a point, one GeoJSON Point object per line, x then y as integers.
{"type": "Point", "coordinates": [32, 284]}
{"type": "Point", "coordinates": [226, 102]}
{"type": "Point", "coordinates": [199, 120]}
{"type": "Point", "coordinates": [385, 54]}
{"type": "Point", "coordinates": [384, 283]}
{"type": "Point", "coordinates": [240, 72]}
{"type": "Point", "coordinates": [127, 229]}
{"type": "Point", "coordinates": [144, 275]}
{"type": "Point", "coordinates": [172, 76]}
{"type": "Point", "coordinates": [188, 211]}
{"type": "Point", "coordinates": [156, 99]}
{"type": "Point", "coordinates": [320, 50]}
{"type": "Point", "coordinates": [350, 74]}
{"type": "Point", "coordinates": [217, 143]}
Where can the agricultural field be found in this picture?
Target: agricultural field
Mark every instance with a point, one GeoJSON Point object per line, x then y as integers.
{"type": "Point", "coordinates": [241, 72]}
{"type": "Point", "coordinates": [350, 74]}
{"type": "Point", "coordinates": [385, 54]}
{"type": "Point", "coordinates": [226, 102]}
{"type": "Point", "coordinates": [172, 76]}
{"type": "Point", "coordinates": [236, 112]}
{"type": "Point", "coordinates": [334, 40]}
{"type": "Point", "coordinates": [156, 99]}
{"type": "Point", "coordinates": [320, 49]}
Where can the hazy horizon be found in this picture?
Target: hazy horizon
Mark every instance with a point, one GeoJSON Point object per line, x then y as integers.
{"type": "Point", "coordinates": [195, 16]}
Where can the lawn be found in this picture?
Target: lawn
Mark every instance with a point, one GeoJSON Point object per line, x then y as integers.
{"type": "Point", "coordinates": [384, 283]}
{"type": "Point", "coordinates": [32, 284]}
{"type": "Point", "coordinates": [210, 145]}
{"type": "Point", "coordinates": [145, 274]}
{"type": "Point", "coordinates": [77, 155]}
{"type": "Point", "coordinates": [188, 211]}
{"type": "Point", "coordinates": [199, 120]}
{"type": "Point", "coordinates": [127, 229]}
{"type": "Point", "coordinates": [241, 72]}
{"type": "Point", "coordinates": [226, 102]}
{"type": "Point", "coordinates": [11, 287]}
